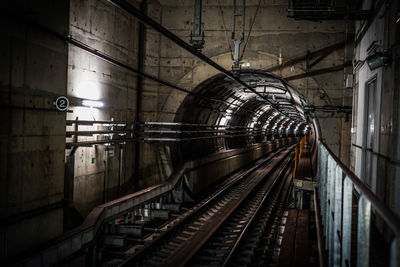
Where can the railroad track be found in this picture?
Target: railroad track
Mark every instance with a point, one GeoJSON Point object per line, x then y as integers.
{"type": "Point", "coordinates": [219, 229]}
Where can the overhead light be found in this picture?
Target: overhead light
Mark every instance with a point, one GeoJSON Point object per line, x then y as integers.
{"type": "Point", "coordinates": [92, 103]}
{"type": "Point", "coordinates": [378, 60]}
{"type": "Point", "coordinates": [246, 64]}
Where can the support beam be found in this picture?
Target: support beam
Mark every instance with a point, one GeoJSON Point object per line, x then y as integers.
{"type": "Point", "coordinates": [320, 71]}
{"type": "Point", "coordinates": [139, 93]}
{"type": "Point", "coordinates": [326, 50]}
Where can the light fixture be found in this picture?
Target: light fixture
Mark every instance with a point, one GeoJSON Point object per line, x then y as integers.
{"type": "Point", "coordinates": [378, 60]}
{"type": "Point", "coordinates": [92, 103]}
{"type": "Point", "coordinates": [246, 64]}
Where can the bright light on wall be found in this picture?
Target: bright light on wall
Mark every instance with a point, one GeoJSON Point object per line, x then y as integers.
{"type": "Point", "coordinates": [88, 90]}
{"type": "Point", "coordinates": [92, 103]}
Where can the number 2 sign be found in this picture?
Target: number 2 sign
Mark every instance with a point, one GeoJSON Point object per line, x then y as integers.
{"type": "Point", "coordinates": [62, 103]}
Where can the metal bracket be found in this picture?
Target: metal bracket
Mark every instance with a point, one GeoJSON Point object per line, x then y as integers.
{"type": "Point", "coordinates": [197, 36]}
{"type": "Point", "coordinates": [237, 42]}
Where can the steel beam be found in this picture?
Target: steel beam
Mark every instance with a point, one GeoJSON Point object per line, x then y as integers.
{"type": "Point", "coordinates": [322, 51]}
{"type": "Point", "coordinates": [139, 93]}
{"type": "Point", "coordinates": [320, 71]}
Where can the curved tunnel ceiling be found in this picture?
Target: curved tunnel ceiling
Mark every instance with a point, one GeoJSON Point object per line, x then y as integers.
{"type": "Point", "coordinates": [225, 102]}
{"type": "Point", "coordinates": [242, 116]}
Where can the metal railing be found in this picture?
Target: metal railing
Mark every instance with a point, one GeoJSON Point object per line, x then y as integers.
{"type": "Point", "coordinates": [83, 133]}
{"type": "Point", "coordinates": [335, 185]}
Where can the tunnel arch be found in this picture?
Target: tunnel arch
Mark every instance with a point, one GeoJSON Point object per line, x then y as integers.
{"type": "Point", "coordinates": [201, 73]}
{"type": "Point", "coordinates": [222, 103]}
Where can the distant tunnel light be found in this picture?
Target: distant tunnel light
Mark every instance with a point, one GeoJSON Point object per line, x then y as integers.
{"type": "Point", "coordinates": [92, 103]}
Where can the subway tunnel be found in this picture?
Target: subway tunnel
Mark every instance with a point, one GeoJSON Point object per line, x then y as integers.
{"type": "Point", "coordinates": [199, 133]}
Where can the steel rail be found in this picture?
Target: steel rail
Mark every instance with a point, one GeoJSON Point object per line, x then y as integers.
{"type": "Point", "coordinates": [185, 253]}
{"type": "Point", "coordinates": [86, 234]}
{"type": "Point", "coordinates": [141, 255]}
{"type": "Point", "coordinates": [249, 224]}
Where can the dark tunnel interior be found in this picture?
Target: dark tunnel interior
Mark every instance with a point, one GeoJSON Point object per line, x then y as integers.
{"type": "Point", "coordinates": [241, 117]}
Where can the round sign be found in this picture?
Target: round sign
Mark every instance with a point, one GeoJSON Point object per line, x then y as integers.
{"type": "Point", "coordinates": [62, 103]}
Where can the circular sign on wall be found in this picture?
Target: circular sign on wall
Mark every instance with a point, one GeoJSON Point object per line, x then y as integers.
{"type": "Point", "coordinates": [62, 103]}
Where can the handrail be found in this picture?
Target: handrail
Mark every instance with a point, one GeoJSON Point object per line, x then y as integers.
{"type": "Point", "coordinates": [336, 183]}
{"type": "Point", "coordinates": [81, 236]}
{"type": "Point", "coordinates": [387, 214]}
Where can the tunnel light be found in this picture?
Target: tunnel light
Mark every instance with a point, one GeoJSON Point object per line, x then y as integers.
{"type": "Point", "coordinates": [246, 64]}
{"type": "Point", "coordinates": [92, 103]}
{"type": "Point", "coordinates": [88, 90]}
{"type": "Point", "coordinates": [229, 111]}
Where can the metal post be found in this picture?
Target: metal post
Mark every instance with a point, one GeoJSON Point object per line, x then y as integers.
{"type": "Point", "coordinates": [133, 216]}
{"type": "Point", "coordinates": [120, 168]}
{"type": "Point", "coordinates": [69, 178]}
{"type": "Point", "coordinates": [139, 93]}
{"type": "Point", "coordinates": [324, 185]}
{"type": "Point", "coordinates": [105, 189]}
{"type": "Point", "coordinates": [363, 235]}
{"type": "Point", "coordinates": [338, 216]}
{"type": "Point", "coordinates": [322, 180]}
{"type": "Point", "coordinates": [148, 217]}
{"type": "Point", "coordinates": [94, 255]}
{"type": "Point", "coordinates": [197, 18]}
{"type": "Point", "coordinates": [332, 215]}
{"type": "Point", "coordinates": [347, 217]}
{"type": "Point", "coordinates": [161, 202]}
{"type": "Point", "coordinates": [327, 208]}
{"type": "Point", "coordinates": [179, 193]}
{"type": "Point", "coordinates": [237, 42]}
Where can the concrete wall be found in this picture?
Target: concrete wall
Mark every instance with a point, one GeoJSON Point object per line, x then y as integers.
{"type": "Point", "coordinates": [380, 172]}
{"type": "Point", "coordinates": [33, 73]}
{"type": "Point", "coordinates": [104, 27]}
